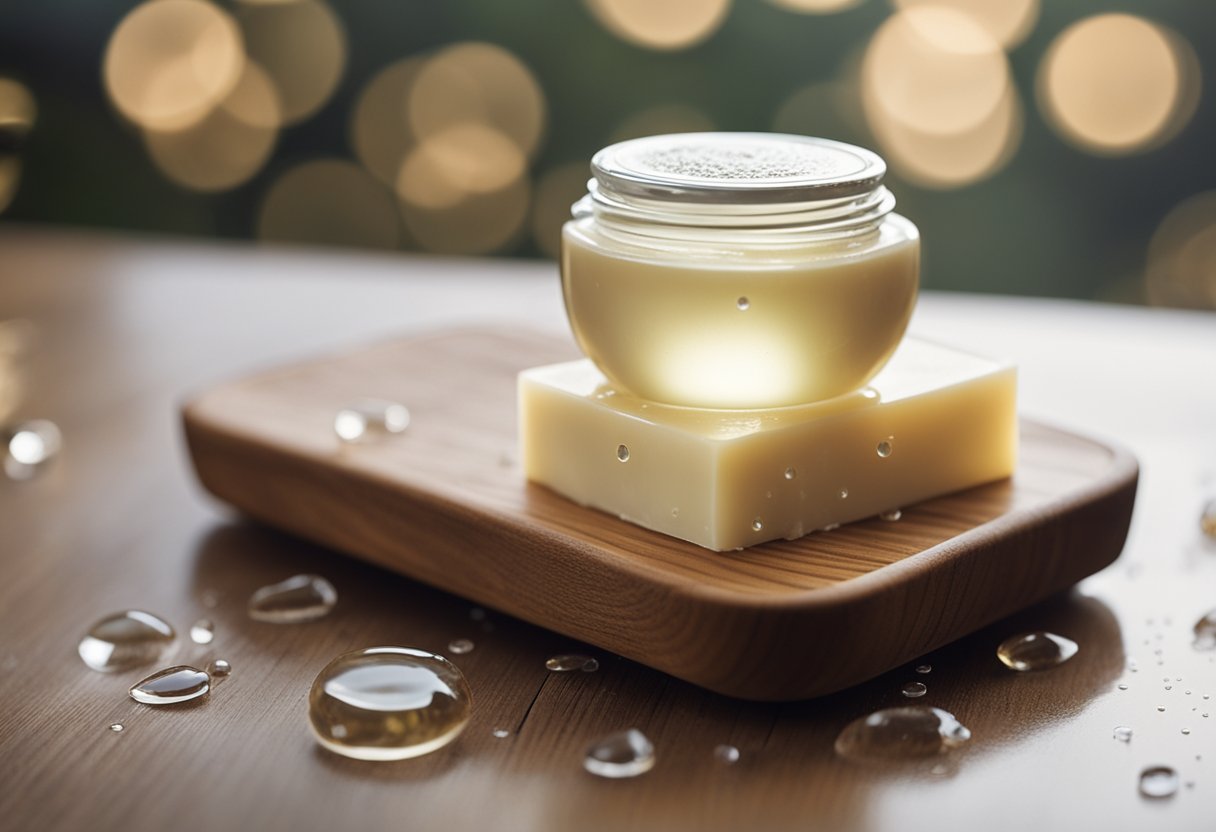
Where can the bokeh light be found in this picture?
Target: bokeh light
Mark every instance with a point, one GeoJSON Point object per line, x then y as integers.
{"type": "Point", "coordinates": [1182, 256]}
{"type": "Point", "coordinates": [10, 179]}
{"type": "Point", "coordinates": [380, 133]}
{"type": "Point", "coordinates": [329, 202]}
{"type": "Point", "coordinates": [1008, 21]}
{"type": "Point", "coordinates": [476, 224]}
{"type": "Point", "coordinates": [815, 6]}
{"type": "Point", "coordinates": [17, 107]}
{"type": "Point", "coordinates": [170, 62]}
{"type": "Point", "coordinates": [662, 118]}
{"type": "Point", "coordinates": [660, 24]}
{"type": "Point", "coordinates": [556, 191]}
{"type": "Point", "coordinates": [302, 46]}
{"type": "Point", "coordinates": [1115, 84]}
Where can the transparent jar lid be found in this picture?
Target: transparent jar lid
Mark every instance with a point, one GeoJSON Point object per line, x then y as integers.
{"type": "Point", "coordinates": [738, 168]}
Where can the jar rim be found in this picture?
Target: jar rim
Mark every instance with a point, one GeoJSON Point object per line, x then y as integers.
{"type": "Point", "coordinates": [736, 168]}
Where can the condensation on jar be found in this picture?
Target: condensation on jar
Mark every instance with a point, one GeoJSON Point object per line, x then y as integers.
{"type": "Point", "coordinates": [738, 270]}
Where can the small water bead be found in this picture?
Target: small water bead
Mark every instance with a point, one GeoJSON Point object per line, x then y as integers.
{"type": "Point", "coordinates": [914, 690]}
{"type": "Point", "coordinates": [1186, 731]}
{"type": "Point", "coordinates": [901, 733]}
{"type": "Point", "coordinates": [924, 668]}
{"type": "Point", "coordinates": [1207, 518]}
{"type": "Point", "coordinates": [171, 686]}
{"type": "Point", "coordinates": [1161, 708]}
{"type": "Point", "coordinates": [1123, 733]}
{"type": "Point", "coordinates": [726, 754]}
{"type": "Point", "coordinates": [501, 733]}
{"type": "Point", "coordinates": [1205, 632]}
{"type": "Point", "coordinates": [370, 419]}
{"type": "Point", "coordinates": [623, 754]}
{"type": "Point", "coordinates": [567, 662]}
{"type": "Point", "coordinates": [892, 515]}
{"type": "Point", "coordinates": [844, 494]}
{"type": "Point", "coordinates": [202, 631]}
{"type": "Point", "coordinates": [125, 640]}
{"type": "Point", "coordinates": [744, 304]}
{"type": "Point", "coordinates": [675, 512]}
{"type": "Point", "coordinates": [219, 667]}
{"type": "Point", "coordinates": [298, 599]}
{"type": "Point", "coordinates": [1122, 686]}
{"type": "Point", "coordinates": [29, 446]}
{"type": "Point", "coordinates": [791, 473]}
{"type": "Point", "coordinates": [388, 703]}
{"type": "Point", "coordinates": [460, 646]}
{"type": "Point", "coordinates": [885, 448]}
{"type": "Point", "coordinates": [622, 453]}
{"type": "Point", "coordinates": [1035, 651]}
{"type": "Point", "coordinates": [1169, 687]}
{"type": "Point", "coordinates": [757, 525]}
{"type": "Point", "coordinates": [117, 727]}
{"type": "Point", "coordinates": [1158, 781]}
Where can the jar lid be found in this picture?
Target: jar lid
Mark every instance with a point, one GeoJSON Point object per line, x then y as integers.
{"type": "Point", "coordinates": [753, 168]}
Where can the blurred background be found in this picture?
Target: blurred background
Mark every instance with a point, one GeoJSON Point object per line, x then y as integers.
{"type": "Point", "coordinates": [1059, 148]}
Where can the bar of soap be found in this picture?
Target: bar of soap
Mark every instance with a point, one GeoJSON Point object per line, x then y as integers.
{"type": "Point", "coordinates": [933, 421]}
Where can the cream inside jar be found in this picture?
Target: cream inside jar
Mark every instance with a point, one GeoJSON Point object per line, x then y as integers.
{"type": "Point", "coordinates": [738, 270]}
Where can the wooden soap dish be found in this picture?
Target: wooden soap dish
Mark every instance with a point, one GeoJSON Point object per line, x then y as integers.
{"type": "Point", "coordinates": [445, 503]}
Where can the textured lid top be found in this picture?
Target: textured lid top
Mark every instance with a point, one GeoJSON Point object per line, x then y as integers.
{"type": "Point", "coordinates": [736, 167]}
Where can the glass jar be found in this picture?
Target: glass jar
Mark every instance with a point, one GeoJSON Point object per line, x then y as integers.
{"type": "Point", "coordinates": [738, 270]}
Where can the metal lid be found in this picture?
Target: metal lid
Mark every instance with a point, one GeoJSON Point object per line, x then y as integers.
{"type": "Point", "coordinates": [752, 168]}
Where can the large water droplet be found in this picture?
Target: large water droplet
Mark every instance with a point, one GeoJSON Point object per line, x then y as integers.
{"type": "Point", "coordinates": [371, 419]}
{"type": "Point", "coordinates": [297, 599]}
{"type": "Point", "coordinates": [1205, 632]}
{"type": "Point", "coordinates": [914, 690]}
{"type": "Point", "coordinates": [202, 631]}
{"type": "Point", "coordinates": [1123, 733]}
{"type": "Point", "coordinates": [1158, 781]}
{"type": "Point", "coordinates": [125, 640]}
{"type": "Point", "coordinates": [1035, 651]}
{"type": "Point", "coordinates": [388, 703]}
{"type": "Point", "coordinates": [623, 754]}
{"type": "Point", "coordinates": [29, 446]}
{"type": "Point", "coordinates": [567, 662]}
{"type": "Point", "coordinates": [172, 685]}
{"type": "Point", "coordinates": [901, 733]}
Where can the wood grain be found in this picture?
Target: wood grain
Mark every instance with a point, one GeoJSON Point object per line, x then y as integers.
{"type": "Point", "coordinates": [445, 503]}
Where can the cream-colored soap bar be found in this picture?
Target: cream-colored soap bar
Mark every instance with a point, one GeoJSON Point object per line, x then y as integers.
{"type": "Point", "coordinates": [933, 421]}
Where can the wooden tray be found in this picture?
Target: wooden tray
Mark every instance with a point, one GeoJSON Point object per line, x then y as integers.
{"type": "Point", "coordinates": [445, 503]}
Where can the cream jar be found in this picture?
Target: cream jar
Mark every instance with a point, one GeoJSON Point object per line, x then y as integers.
{"type": "Point", "coordinates": [738, 270]}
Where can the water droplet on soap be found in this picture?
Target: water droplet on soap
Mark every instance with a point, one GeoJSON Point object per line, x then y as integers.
{"type": "Point", "coordinates": [1186, 730]}
{"type": "Point", "coordinates": [892, 515]}
{"type": "Point", "coordinates": [460, 646]}
{"type": "Point", "coordinates": [743, 304]}
{"type": "Point", "coordinates": [1158, 781]}
{"type": "Point", "coordinates": [844, 493]}
{"type": "Point", "coordinates": [885, 448]}
{"type": "Point", "coordinates": [901, 733]}
{"type": "Point", "coordinates": [1161, 708]}
{"type": "Point", "coordinates": [790, 473]}
{"type": "Point", "coordinates": [727, 754]}
{"type": "Point", "coordinates": [757, 525]}
{"type": "Point", "coordinates": [1207, 519]}
{"type": "Point", "coordinates": [1205, 632]}
{"type": "Point", "coordinates": [572, 661]}
{"type": "Point", "coordinates": [219, 667]}
{"type": "Point", "coordinates": [501, 733]}
{"type": "Point", "coordinates": [202, 631]}
{"type": "Point", "coordinates": [623, 754]}
{"type": "Point", "coordinates": [117, 727]}
{"type": "Point", "coordinates": [125, 640]}
{"type": "Point", "coordinates": [172, 685]}
{"type": "Point", "coordinates": [371, 419]}
{"type": "Point", "coordinates": [299, 598]}
{"type": "Point", "coordinates": [1122, 733]}
{"type": "Point", "coordinates": [1035, 651]}
{"type": "Point", "coordinates": [388, 703]}
{"type": "Point", "coordinates": [29, 446]}
{"type": "Point", "coordinates": [1122, 686]}
{"type": "Point", "coordinates": [924, 668]}
{"type": "Point", "coordinates": [1169, 687]}
{"type": "Point", "coordinates": [622, 453]}
{"type": "Point", "coordinates": [914, 690]}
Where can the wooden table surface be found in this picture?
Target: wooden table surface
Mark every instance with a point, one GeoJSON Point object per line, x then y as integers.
{"type": "Point", "coordinates": [120, 331]}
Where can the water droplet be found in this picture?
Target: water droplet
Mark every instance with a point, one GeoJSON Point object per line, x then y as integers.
{"type": "Point", "coordinates": [125, 640]}
{"type": "Point", "coordinates": [1186, 731]}
{"type": "Point", "coordinates": [743, 304]}
{"type": "Point", "coordinates": [172, 685]}
{"type": "Point", "coordinates": [831, 527]}
{"type": "Point", "coordinates": [460, 646]}
{"type": "Point", "coordinates": [675, 512]}
{"type": "Point", "coordinates": [1161, 708]}
{"type": "Point", "coordinates": [299, 598]}
{"type": "Point", "coordinates": [726, 754]}
{"type": "Point", "coordinates": [1207, 518]}
{"type": "Point", "coordinates": [892, 515]}
{"type": "Point", "coordinates": [371, 419]}
{"type": "Point", "coordinates": [388, 703]}
{"type": "Point", "coordinates": [1123, 733]}
{"type": "Point", "coordinates": [901, 733]}
{"type": "Point", "coordinates": [622, 453]}
{"type": "Point", "coordinates": [623, 754]}
{"type": "Point", "coordinates": [1035, 651]}
{"type": "Point", "coordinates": [117, 727]}
{"type": "Point", "coordinates": [501, 733]}
{"type": "Point", "coordinates": [1122, 686]}
{"type": "Point", "coordinates": [1158, 781]}
{"type": "Point", "coordinates": [202, 631]}
{"type": "Point", "coordinates": [885, 448]}
{"type": "Point", "coordinates": [1169, 687]}
{"type": "Point", "coordinates": [757, 525]}
{"type": "Point", "coordinates": [924, 668]}
{"type": "Point", "coordinates": [1205, 632]}
{"type": "Point", "coordinates": [219, 667]}
{"type": "Point", "coordinates": [844, 493]}
{"type": "Point", "coordinates": [914, 690]}
{"type": "Point", "coordinates": [566, 662]}
{"type": "Point", "coordinates": [790, 473]}
{"type": "Point", "coordinates": [29, 446]}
